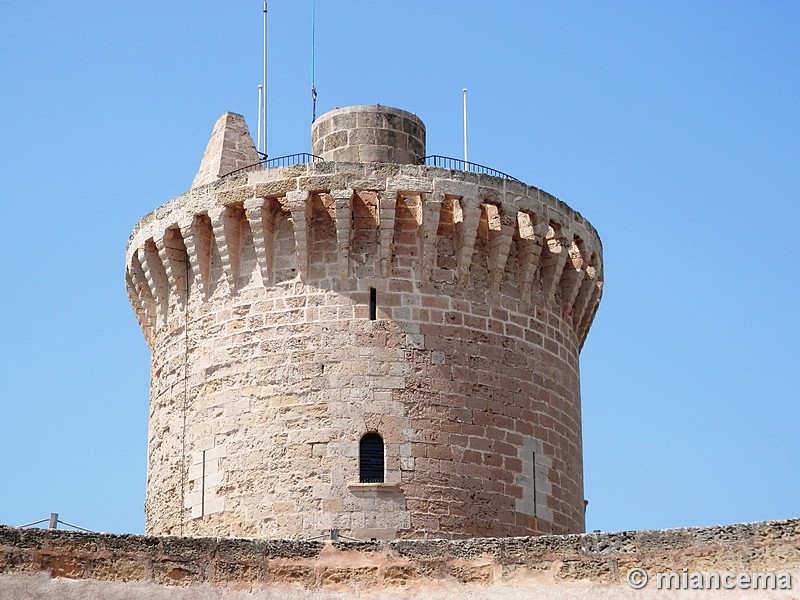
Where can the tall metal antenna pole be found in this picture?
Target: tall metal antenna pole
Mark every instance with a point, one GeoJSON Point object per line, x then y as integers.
{"type": "Point", "coordinates": [313, 60]}
{"type": "Point", "coordinates": [264, 104]}
{"type": "Point", "coordinates": [260, 104]}
{"type": "Point", "coordinates": [464, 91]}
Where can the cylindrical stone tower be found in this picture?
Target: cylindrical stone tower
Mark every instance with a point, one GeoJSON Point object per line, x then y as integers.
{"type": "Point", "coordinates": [369, 134]}
{"type": "Point", "coordinates": [384, 348]}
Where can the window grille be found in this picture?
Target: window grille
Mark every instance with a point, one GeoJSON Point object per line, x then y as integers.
{"type": "Point", "coordinates": [370, 453]}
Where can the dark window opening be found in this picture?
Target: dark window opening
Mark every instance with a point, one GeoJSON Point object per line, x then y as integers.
{"type": "Point", "coordinates": [370, 454]}
{"type": "Point", "coordinates": [373, 304]}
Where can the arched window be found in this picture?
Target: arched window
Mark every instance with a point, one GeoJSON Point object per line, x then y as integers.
{"type": "Point", "coordinates": [370, 456]}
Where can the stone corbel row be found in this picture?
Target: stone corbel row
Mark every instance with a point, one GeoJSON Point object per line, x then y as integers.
{"type": "Point", "coordinates": [545, 248]}
{"type": "Point", "coordinates": [166, 267]}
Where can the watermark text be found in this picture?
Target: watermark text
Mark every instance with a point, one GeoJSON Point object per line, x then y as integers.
{"type": "Point", "coordinates": [702, 580]}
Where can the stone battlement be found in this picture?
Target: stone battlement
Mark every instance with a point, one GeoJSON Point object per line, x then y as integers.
{"type": "Point", "coordinates": [327, 222]}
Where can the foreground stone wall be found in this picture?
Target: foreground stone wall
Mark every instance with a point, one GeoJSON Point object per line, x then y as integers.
{"type": "Point", "coordinates": [254, 295]}
{"type": "Point", "coordinates": [38, 563]}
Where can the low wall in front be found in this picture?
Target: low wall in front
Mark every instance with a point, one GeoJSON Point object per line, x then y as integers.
{"type": "Point", "coordinates": [752, 560]}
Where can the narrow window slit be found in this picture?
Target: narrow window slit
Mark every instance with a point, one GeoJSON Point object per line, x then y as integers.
{"type": "Point", "coordinates": [373, 304]}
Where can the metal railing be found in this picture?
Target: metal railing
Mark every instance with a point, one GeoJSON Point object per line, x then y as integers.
{"type": "Point", "coordinates": [53, 522]}
{"type": "Point", "coordinates": [435, 160]}
{"type": "Point", "coordinates": [301, 158]}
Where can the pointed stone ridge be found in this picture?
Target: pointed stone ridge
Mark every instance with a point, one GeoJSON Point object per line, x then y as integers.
{"type": "Point", "coordinates": [230, 147]}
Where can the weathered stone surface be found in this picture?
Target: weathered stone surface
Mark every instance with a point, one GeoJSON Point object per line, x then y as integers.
{"type": "Point", "coordinates": [254, 294]}
{"type": "Point", "coordinates": [369, 134]}
{"type": "Point", "coordinates": [119, 569]}
{"type": "Point", "coordinates": [589, 565]}
{"type": "Point", "coordinates": [230, 148]}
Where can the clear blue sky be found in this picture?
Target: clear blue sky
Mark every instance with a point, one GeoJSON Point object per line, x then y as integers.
{"type": "Point", "coordinates": [674, 127]}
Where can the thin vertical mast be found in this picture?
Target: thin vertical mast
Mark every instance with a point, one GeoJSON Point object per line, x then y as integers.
{"type": "Point", "coordinates": [260, 104]}
{"type": "Point", "coordinates": [464, 91]}
{"type": "Point", "coordinates": [313, 60]}
{"type": "Point", "coordinates": [264, 104]}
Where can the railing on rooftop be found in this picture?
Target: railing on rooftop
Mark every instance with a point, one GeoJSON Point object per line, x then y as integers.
{"type": "Point", "coordinates": [435, 160]}
{"type": "Point", "coordinates": [301, 158]}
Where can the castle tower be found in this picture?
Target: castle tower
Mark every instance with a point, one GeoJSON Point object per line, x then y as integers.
{"type": "Point", "coordinates": [362, 343]}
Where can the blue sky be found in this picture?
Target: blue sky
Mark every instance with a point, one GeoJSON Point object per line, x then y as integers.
{"type": "Point", "coordinates": [674, 127]}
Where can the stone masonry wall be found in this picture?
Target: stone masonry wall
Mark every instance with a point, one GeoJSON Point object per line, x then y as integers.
{"type": "Point", "coordinates": [229, 148]}
{"type": "Point", "coordinates": [369, 134]}
{"type": "Point", "coordinates": [760, 558]}
{"type": "Point", "coordinates": [254, 292]}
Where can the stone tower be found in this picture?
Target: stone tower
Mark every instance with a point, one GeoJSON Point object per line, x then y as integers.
{"type": "Point", "coordinates": [362, 343]}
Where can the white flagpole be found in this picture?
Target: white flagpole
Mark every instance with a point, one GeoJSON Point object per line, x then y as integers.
{"type": "Point", "coordinates": [313, 60]}
{"type": "Point", "coordinates": [260, 103]}
{"type": "Point", "coordinates": [464, 91]}
{"type": "Point", "coordinates": [264, 104]}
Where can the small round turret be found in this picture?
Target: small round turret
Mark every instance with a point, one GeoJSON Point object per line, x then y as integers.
{"type": "Point", "coordinates": [369, 134]}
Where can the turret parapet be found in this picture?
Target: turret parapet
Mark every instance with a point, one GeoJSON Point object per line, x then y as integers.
{"type": "Point", "coordinates": [556, 254]}
{"type": "Point", "coordinates": [369, 134]}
